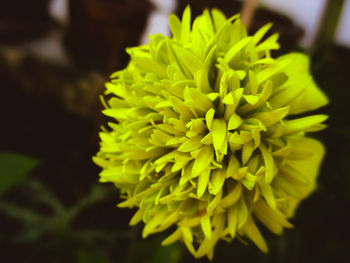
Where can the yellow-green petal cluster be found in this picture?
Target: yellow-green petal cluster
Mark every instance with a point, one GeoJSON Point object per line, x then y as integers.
{"type": "Point", "coordinates": [206, 138]}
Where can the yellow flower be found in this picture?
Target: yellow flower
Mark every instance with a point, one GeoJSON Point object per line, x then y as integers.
{"type": "Point", "coordinates": [207, 136]}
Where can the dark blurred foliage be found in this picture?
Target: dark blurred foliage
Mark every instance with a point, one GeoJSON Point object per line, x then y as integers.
{"type": "Point", "coordinates": [52, 208]}
{"type": "Point", "coordinates": [101, 29]}
{"type": "Point", "coordinates": [23, 20]}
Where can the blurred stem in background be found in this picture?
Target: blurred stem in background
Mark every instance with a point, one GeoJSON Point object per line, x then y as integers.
{"type": "Point", "coordinates": [248, 11]}
{"type": "Point", "coordinates": [324, 39]}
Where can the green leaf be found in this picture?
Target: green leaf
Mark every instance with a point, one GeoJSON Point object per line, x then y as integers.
{"type": "Point", "coordinates": [218, 177]}
{"type": "Point", "coordinates": [150, 65]}
{"type": "Point", "coordinates": [209, 116]}
{"type": "Point", "coordinates": [219, 134]}
{"type": "Point", "coordinates": [308, 168]}
{"type": "Point", "coordinates": [190, 145]}
{"type": "Point", "coordinates": [267, 192]}
{"type": "Point", "coordinates": [247, 151]}
{"type": "Point", "coordinates": [232, 220]}
{"type": "Point", "coordinates": [254, 234]}
{"type": "Point", "coordinates": [84, 255]}
{"type": "Point", "coordinates": [242, 212]}
{"type": "Point", "coordinates": [233, 165]}
{"type": "Point", "coordinates": [153, 252]}
{"type": "Point", "coordinates": [268, 44]}
{"type": "Point", "coordinates": [234, 122]}
{"type": "Point", "coordinates": [271, 70]}
{"type": "Point", "coordinates": [204, 158]}
{"type": "Point", "coordinates": [175, 26]}
{"type": "Point", "coordinates": [235, 49]}
{"type": "Point", "coordinates": [271, 117]}
{"type": "Point", "coordinates": [206, 226]}
{"type": "Point", "coordinates": [308, 123]}
{"type": "Point", "coordinates": [312, 97]}
{"type": "Point", "coordinates": [186, 25]}
{"type": "Point", "coordinates": [198, 99]}
{"type": "Point", "coordinates": [13, 169]}
{"type": "Point", "coordinates": [187, 59]}
{"type": "Point", "coordinates": [219, 19]}
{"type": "Point", "coordinates": [273, 219]}
{"type": "Point", "coordinates": [260, 33]}
{"type": "Point", "coordinates": [203, 181]}
{"type": "Point", "coordinates": [232, 197]}
{"type": "Point", "coordinates": [269, 163]}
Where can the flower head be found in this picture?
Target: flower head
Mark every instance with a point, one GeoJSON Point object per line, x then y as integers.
{"type": "Point", "coordinates": [207, 137]}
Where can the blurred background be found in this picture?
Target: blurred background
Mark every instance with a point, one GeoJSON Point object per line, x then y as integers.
{"type": "Point", "coordinates": [55, 56]}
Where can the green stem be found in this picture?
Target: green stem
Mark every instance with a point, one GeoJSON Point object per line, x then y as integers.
{"type": "Point", "coordinates": [327, 30]}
